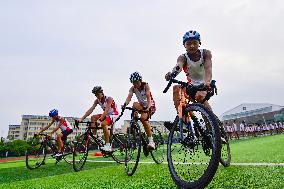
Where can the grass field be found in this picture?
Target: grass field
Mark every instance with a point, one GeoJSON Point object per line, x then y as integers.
{"type": "Point", "coordinates": [110, 175]}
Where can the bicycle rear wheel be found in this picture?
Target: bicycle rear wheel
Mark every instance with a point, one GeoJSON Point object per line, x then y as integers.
{"type": "Point", "coordinates": [119, 146]}
{"type": "Point", "coordinates": [80, 151]}
{"type": "Point", "coordinates": [133, 149]}
{"type": "Point", "coordinates": [35, 155]}
{"type": "Point", "coordinates": [193, 160]}
{"type": "Point", "coordinates": [158, 153]}
{"type": "Point", "coordinates": [68, 153]}
{"type": "Point", "coordinates": [225, 159]}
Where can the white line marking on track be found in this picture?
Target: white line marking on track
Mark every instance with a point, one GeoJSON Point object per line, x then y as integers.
{"type": "Point", "coordinates": [196, 163]}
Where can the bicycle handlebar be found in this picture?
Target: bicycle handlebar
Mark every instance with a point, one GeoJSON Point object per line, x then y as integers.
{"type": "Point", "coordinates": [77, 123]}
{"type": "Point", "coordinates": [189, 87]}
{"type": "Point", "coordinates": [200, 87]}
{"type": "Point", "coordinates": [44, 134]}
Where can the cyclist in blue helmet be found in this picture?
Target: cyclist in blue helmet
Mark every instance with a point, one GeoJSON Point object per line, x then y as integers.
{"type": "Point", "coordinates": [197, 65]}
{"type": "Point", "coordinates": [61, 123]}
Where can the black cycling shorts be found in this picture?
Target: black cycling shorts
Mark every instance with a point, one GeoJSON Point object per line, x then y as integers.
{"type": "Point", "coordinates": [65, 134]}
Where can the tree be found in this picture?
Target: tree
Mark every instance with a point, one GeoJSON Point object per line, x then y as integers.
{"type": "Point", "coordinates": [18, 147]}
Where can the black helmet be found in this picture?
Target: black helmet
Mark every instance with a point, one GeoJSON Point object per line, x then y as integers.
{"type": "Point", "coordinates": [135, 77]}
{"type": "Point", "coordinates": [97, 89]}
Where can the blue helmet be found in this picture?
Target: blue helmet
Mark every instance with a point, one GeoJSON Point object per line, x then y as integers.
{"type": "Point", "coordinates": [191, 35]}
{"type": "Point", "coordinates": [135, 77]}
{"type": "Point", "coordinates": [53, 113]}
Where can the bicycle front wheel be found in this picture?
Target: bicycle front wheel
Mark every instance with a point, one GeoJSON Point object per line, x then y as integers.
{"type": "Point", "coordinates": [35, 155]}
{"type": "Point", "coordinates": [158, 153]}
{"type": "Point", "coordinates": [119, 146]}
{"type": "Point", "coordinates": [80, 151]}
{"type": "Point", "coordinates": [194, 155]}
{"type": "Point", "coordinates": [225, 159]}
{"type": "Point", "coordinates": [133, 149]}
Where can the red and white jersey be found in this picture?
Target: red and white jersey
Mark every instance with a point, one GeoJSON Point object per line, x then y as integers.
{"type": "Point", "coordinates": [113, 108]}
{"type": "Point", "coordinates": [195, 71]}
{"type": "Point", "coordinates": [65, 126]}
{"type": "Point", "coordinates": [141, 95]}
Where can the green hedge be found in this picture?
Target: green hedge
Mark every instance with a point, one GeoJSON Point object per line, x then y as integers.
{"type": "Point", "coordinates": [14, 148]}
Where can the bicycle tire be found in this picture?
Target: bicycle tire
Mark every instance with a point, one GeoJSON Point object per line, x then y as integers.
{"type": "Point", "coordinates": [33, 153]}
{"type": "Point", "coordinates": [159, 152]}
{"type": "Point", "coordinates": [183, 179]}
{"type": "Point", "coordinates": [67, 152]}
{"type": "Point", "coordinates": [225, 158]}
{"type": "Point", "coordinates": [80, 152]}
{"type": "Point", "coordinates": [118, 145]}
{"type": "Point", "coordinates": [133, 149]}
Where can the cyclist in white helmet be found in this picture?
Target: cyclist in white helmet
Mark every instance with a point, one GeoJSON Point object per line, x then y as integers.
{"type": "Point", "coordinates": [106, 118]}
{"type": "Point", "coordinates": [145, 102]}
{"type": "Point", "coordinates": [63, 125]}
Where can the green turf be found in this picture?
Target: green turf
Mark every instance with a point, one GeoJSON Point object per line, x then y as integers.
{"type": "Point", "coordinates": [111, 175]}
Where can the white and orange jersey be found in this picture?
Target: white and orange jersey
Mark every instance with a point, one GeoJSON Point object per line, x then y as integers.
{"type": "Point", "coordinates": [113, 107]}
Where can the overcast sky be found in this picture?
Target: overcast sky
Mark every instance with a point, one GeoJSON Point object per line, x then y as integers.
{"type": "Point", "coordinates": [52, 53]}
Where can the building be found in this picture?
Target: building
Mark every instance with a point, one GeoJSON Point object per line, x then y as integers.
{"type": "Point", "coordinates": [32, 124]}
{"type": "Point", "coordinates": [254, 113]}
{"type": "Point", "coordinates": [157, 124]}
{"type": "Point", "coordinates": [14, 132]}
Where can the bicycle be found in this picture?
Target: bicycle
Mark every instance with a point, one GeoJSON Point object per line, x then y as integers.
{"type": "Point", "coordinates": [41, 147]}
{"type": "Point", "coordinates": [135, 140]}
{"type": "Point", "coordinates": [225, 158]}
{"type": "Point", "coordinates": [194, 141]}
{"type": "Point", "coordinates": [83, 142]}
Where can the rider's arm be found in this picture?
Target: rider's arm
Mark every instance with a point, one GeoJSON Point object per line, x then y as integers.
{"type": "Point", "coordinates": [148, 95]}
{"type": "Point", "coordinates": [90, 110]}
{"type": "Point", "coordinates": [46, 127]}
{"type": "Point", "coordinates": [130, 94]}
{"type": "Point", "coordinates": [108, 106]}
{"type": "Point", "coordinates": [61, 121]}
{"type": "Point", "coordinates": [181, 61]}
{"type": "Point", "coordinates": [207, 66]}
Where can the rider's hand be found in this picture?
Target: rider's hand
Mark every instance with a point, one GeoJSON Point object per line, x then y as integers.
{"type": "Point", "coordinates": [123, 106]}
{"type": "Point", "coordinates": [50, 135]}
{"type": "Point", "coordinates": [79, 120]}
{"type": "Point", "coordinates": [99, 122]}
{"type": "Point", "coordinates": [207, 84]}
{"type": "Point", "coordinates": [168, 76]}
{"type": "Point", "coordinates": [147, 109]}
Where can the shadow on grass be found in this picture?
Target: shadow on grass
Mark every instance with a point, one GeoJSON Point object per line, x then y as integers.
{"type": "Point", "coordinates": [20, 173]}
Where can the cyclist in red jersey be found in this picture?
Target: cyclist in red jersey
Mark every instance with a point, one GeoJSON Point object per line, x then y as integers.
{"type": "Point", "coordinates": [106, 118]}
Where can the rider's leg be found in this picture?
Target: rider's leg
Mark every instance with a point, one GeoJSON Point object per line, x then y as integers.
{"type": "Point", "coordinates": [200, 95]}
{"type": "Point", "coordinates": [146, 125]}
{"type": "Point", "coordinates": [94, 119]}
{"type": "Point", "coordinates": [105, 125]}
{"type": "Point", "coordinates": [107, 147]}
{"type": "Point", "coordinates": [176, 97]}
{"type": "Point", "coordinates": [59, 142]}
